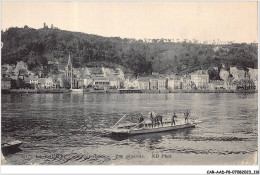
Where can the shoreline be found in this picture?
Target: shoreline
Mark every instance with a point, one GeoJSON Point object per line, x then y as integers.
{"type": "Point", "coordinates": [47, 91]}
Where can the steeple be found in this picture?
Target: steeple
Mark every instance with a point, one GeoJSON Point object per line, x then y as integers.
{"type": "Point", "coordinates": [69, 61]}
{"type": "Point", "coordinates": [69, 68]}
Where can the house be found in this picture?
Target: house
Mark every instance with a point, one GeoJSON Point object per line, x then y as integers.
{"type": "Point", "coordinates": [61, 79]}
{"type": "Point", "coordinates": [186, 82]}
{"type": "Point", "coordinates": [216, 85]}
{"type": "Point", "coordinates": [238, 74]}
{"type": "Point", "coordinates": [200, 78]}
{"type": "Point", "coordinates": [22, 74]}
{"type": "Point", "coordinates": [120, 74]}
{"type": "Point", "coordinates": [56, 83]}
{"type": "Point", "coordinates": [143, 82]}
{"type": "Point", "coordinates": [7, 70]}
{"type": "Point", "coordinates": [229, 84]}
{"type": "Point", "coordinates": [131, 83]}
{"type": "Point", "coordinates": [161, 83]}
{"type": "Point", "coordinates": [88, 80]}
{"type": "Point", "coordinates": [20, 66]}
{"type": "Point", "coordinates": [5, 84]}
{"type": "Point", "coordinates": [13, 76]}
{"type": "Point", "coordinates": [114, 82]}
{"type": "Point", "coordinates": [79, 83]}
{"type": "Point", "coordinates": [97, 71]}
{"type": "Point", "coordinates": [244, 84]}
{"type": "Point", "coordinates": [101, 82]}
{"type": "Point", "coordinates": [253, 75]}
{"type": "Point", "coordinates": [174, 82]}
{"type": "Point", "coordinates": [46, 83]}
{"type": "Point", "coordinates": [31, 79]}
{"type": "Point", "coordinates": [153, 83]}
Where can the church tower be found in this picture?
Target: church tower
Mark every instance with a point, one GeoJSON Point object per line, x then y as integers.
{"type": "Point", "coordinates": [69, 68]}
{"type": "Point", "coordinates": [69, 72]}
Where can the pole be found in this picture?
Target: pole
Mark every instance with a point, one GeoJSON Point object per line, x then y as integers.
{"type": "Point", "coordinates": [119, 120]}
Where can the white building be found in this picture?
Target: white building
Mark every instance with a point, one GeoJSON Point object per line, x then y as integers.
{"type": "Point", "coordinates": [131, 84]}
{"type": "Point", "coordinates": [143, 82]}
{"type": "Point", "coordinates": [253, 75]}
{"type": "Point", "coordinates": [200, 78]}
{"type": "Point", "coordinates": [32, 79]}
{"type": "Point", "coordinates": [45, 83]}
{"type": "Point", "coordinates": [174, 82]}
{"type": "Point", "coordinates": [161, 83]}
{"type": "Point", "coordinates": [114, 82]}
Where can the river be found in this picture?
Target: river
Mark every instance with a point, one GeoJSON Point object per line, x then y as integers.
{"type": "Point", "coordinates": [65, 129]}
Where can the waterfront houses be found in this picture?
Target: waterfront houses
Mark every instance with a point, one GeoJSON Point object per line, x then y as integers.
{"type": "Point", "coordinates": [186, 82]}
{"type": "Point", "coordinates": [31, 79]}
{"type": "Point", "coordinates": [20, 66]}
{"type": "Point", "coordinates": [114, 78]}
{"type": "Point", "coordinates": [6, 83]}
{"type": "Point", "coordinates": [200, 78]}
{"type": "Point", "coordinates": [244, 84]}
{"type": "Point", "coordinates": [114, 82]}
{"type": "Point", "coordinates": [161, 84]}
{"type": "Point", "coordinates": [56, 83]}
{"type": "Point", "coordinates": [131, 83]}
{"type": "Point", "coordinates": [229, 84]}
{"type": "Point", "coordinates": [101, 82]}
{"type": "Point", "coordinates": [216, 85]}
{"type": "Point", "coordinates": [45, 83]}
{"type": "Point", "coordinates": [174, 82]}
{"type": "Point", "coordinates": [153, 83]}
{"type": "Point", "coordinates": [7, 71]}
{"type": "Point", "coordinates": [253, 75]}
{"type": "Point", "coordinates": [143, 83]}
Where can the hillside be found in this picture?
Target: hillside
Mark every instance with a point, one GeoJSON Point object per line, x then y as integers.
{"type": "Point", "coordinates": [37, 47]}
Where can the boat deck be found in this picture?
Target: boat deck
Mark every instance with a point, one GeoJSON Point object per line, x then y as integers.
{"type": "Point", "coordinates": [144, 130]}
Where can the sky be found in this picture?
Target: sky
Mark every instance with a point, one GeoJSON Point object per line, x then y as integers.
{"type": "Point", "coordinates": [203, 21]}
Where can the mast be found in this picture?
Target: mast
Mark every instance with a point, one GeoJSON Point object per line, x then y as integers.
{"type": "Point", "coordinates": [70, 64]}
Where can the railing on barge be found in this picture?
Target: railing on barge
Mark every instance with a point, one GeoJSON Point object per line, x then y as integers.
{"type": "Point", "coordinates": [122, 91]}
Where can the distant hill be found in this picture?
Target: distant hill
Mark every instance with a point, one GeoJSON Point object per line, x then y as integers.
{"type": "Point", "coordinates": [37, 47]}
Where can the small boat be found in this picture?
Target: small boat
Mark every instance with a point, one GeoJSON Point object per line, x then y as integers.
{"type": "Point", "coordinates": [77, 90]}
{"type": "Point", "coordinates": [133, 128]}
{"type": "Point", "coordinates": [11, 145]}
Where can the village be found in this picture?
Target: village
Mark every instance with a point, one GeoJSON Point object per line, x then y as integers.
{"type": "Point", "coordinates": [100, 79]}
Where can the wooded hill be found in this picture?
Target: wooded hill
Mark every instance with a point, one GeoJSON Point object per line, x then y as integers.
{"type": "Point", "coordinates": [38, 46]}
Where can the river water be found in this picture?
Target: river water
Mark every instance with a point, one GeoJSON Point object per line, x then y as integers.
{"type": "Point", "coordinates": [61, 129]}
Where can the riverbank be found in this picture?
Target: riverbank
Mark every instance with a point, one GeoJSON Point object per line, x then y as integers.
{"type": "Point", "coordinates": [147, 91]}
{"type": "Point", "coordinates": [5, 91]}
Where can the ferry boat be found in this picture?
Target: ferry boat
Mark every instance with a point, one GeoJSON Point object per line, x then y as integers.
{"type": "Point", "coordinates": [134, 128]}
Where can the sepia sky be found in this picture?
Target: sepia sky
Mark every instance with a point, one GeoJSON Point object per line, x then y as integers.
{"type": "Point", "coordinates": [226, 21]}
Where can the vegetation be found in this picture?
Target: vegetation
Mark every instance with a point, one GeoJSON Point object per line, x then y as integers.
{"type": "Point", "coordinates": [38, 47]}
